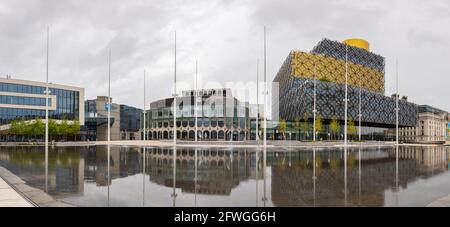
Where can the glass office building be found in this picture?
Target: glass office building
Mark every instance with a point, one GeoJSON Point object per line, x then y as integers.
{"type": "Point", "coordinates": [125, 121]}
{"type": "Point", "coordinates": [220, 117]}
{"type": "Point", "coordinates": [20, 99]}
{"type": "Point", "coordinates": [130, 122]}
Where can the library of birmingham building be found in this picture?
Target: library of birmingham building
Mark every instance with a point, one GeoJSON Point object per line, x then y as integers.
{"type": "Point", "coordinates": [326, 66]}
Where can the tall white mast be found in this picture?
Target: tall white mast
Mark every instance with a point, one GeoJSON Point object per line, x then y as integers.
{"type": "Point", "coordinates": [174, 152]}
{"type": "Point", "coordinates": [46, 111]}
{"type": "Point", "coordinates": [109, 100]}
{"type": "Point", "coordinates": [265, 89]}
{"type": "Point", "coordinates": [360, 109]}
{"type": "Point", "coordinates": [397, 109]}
{"type": "Point", "coordinates": [109, 105]}
{"type": "Point", "coordinates": [257, 101]}
{"type": "Point", "coordinates": [196, 101]}
{"type": "Point", "coordinates": [175, 95]}
{"type": "Point", "coordinates": [314, 107]}
{"type": "Point", "coordinates": [346, 96]}
{"type": "Point", "coordinates": [145, 104]}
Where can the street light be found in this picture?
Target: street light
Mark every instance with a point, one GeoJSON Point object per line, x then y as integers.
{"type": "Point", "coordinates": [346, 96]}
{"type": "Point", "coordinates": [314, 105]}
{"type": "Point", "coordinates": [46, 113]}
{"type": "Point", "coordinates": [196, 101]}
{"type": "Point", "coordinates": [397, 109]}
{"type": "Point", "coordinates": [175, 95]}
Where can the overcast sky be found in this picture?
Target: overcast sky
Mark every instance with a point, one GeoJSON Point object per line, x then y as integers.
{"type": "Point", "coordinates": [225, 36]}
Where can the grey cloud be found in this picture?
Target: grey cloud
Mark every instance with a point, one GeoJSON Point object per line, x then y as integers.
{"type": "Point", "coordinates": [226, 37]}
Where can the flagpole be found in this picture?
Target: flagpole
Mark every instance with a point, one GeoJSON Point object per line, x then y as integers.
{"type": "Point", "coordinates": [175, 95]}
{"type": "Point", "coordinates": [196, 101]}
{"type": "Point", "coordinates": [360, 109]}
{"type": "Point", "coordinates": [174, 152]}
{"type": "Point", "coordinates": [144, 139]}
{"type": "Point", "coordinates": [145, 101]}
{"type": "Point", "coordinates": [46, 111]}
{"type": "Point", "coordinates": [315, 110]}
{"type": "Point", "coordinates": [257, 101]}
{"type": "Point", "coordinates": [265, 88]}
{"type": "Point", "coordinates": [109, 120]}
{"type": "Point", "coordinates": [346, 96]}
{"type": "Point", "coordinates": [397, 109]}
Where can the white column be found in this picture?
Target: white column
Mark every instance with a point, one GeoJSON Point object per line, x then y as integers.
{"type": "Point", "coordinates": [175, 96]}
{"type": "Point", "coordinates": [145, 119]}
{"type": "Point", "coordinates": [314, 107]}
{"type": "Point", "coordinates": [360, 107]}
{"type": "Point", "coordinates": [346, 96]}
{"type": "Point", "coordinates": [257, 101]}
{"type": "Point", "coordinates": [46, 113]}
{"type": "Point", "coordinates": [397, 109]}
{"type": "Point", "coordinates": [196, 101]}
{"type": "Point", "coordinates": [265, 89]}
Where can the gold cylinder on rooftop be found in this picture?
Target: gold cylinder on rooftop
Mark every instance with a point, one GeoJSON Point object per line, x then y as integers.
{"type": "Point", "coordinates": [360, 43]}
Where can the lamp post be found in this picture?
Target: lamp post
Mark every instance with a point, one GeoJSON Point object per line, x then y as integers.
{"type": "Point", "coordinates": [46, 113]}
{"type": "Point", "coordinates": [314, 107]}
{"type": "Point", "coordinates": [257, 101]}
{"type": "Point", "coordinates": [346, 96]}
{"type": "Point", "coordinates": [109, 105]}
{"type": "Point", "coordinates": [145, 101]}
{"type": "Point", "coordinates": [145, 148]}
{"type": "Point", "coordinates": [175, 95]}
{"type": "Point", "coordinates": [265, 88]}
{"type": "Point", "coordinates": [360, 107]}
{"type": "Point", "coordinates": [196, 101]}
{"type": "Point", "coordinates": [174, 151]}
{"type": "Point", "coordinates": [397, 109]}
{"type": "Point", "coordinates": [300, 87]}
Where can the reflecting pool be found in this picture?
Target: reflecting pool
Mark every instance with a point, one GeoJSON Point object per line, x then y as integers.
{"type": "Point", "coordinates": [385, 176]}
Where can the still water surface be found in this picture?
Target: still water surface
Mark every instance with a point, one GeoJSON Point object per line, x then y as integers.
{"type": "Point", "coordinates": [235, 177]}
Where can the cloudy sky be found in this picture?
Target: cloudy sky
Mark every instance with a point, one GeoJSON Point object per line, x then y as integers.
{"type": "Point", "coordinates": [225, 36]}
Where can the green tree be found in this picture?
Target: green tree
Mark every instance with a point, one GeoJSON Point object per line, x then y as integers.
{"type": "Point", "coordinates": [38, 127]}
{"type": "Point", "coordinates": [63, 129]}
{"type": "Point", "coordinates": [15, 128]}
{"type": "Point", "coordinates": [282, 127]}
{"type": "Point", "coordinates": [53, 128]}
{"type": "Point", "coordinates": [74, 128]}
{"type": "Point", "coordinates": [18, 128]}
{"type": "Point", "coordinates": [351, 127]}
{"type": "Point", "coordinates": [297, 125]}
{"type": "Point", "coordinates": [305, 125]}
{"type": "Point", "coordinates": [335, 127]}
{"type": "Point", "coordinates": [319, 124]}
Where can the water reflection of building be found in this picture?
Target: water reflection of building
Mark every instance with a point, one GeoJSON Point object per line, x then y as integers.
{"type": "Point", "coordinates": [124, 162]}
{"type": "Point", "coordinates": [429, 159]}
{"type": "Point", "coordinates": [65, 169]}
{"type": "Point", "coordinates": [295, 186]}
{"type": "Point", "coordinates": [218, 171]}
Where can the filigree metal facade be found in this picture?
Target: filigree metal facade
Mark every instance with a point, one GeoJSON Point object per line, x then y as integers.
{"type": "Point", "coordinates": [326, 64]}
{"type": "Point", "coordinates": [377, 110]}
{"type": "Point", "coordinates": [355, 55]}
{"type": "Point", "coordinates": [330, 69]}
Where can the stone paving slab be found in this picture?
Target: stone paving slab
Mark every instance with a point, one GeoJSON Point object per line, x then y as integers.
{"type": "Point", "coordinates": [37, 196]}
{"type": "Point", "coordinates": [25, 188]}
{"type": "Point", "coordinates": [10, 198]}
{"type": "Point", "coordinates": [442, 202]}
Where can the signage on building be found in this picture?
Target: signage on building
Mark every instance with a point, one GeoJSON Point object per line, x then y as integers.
{"type": "Point", "coordinates": [448, 131]}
